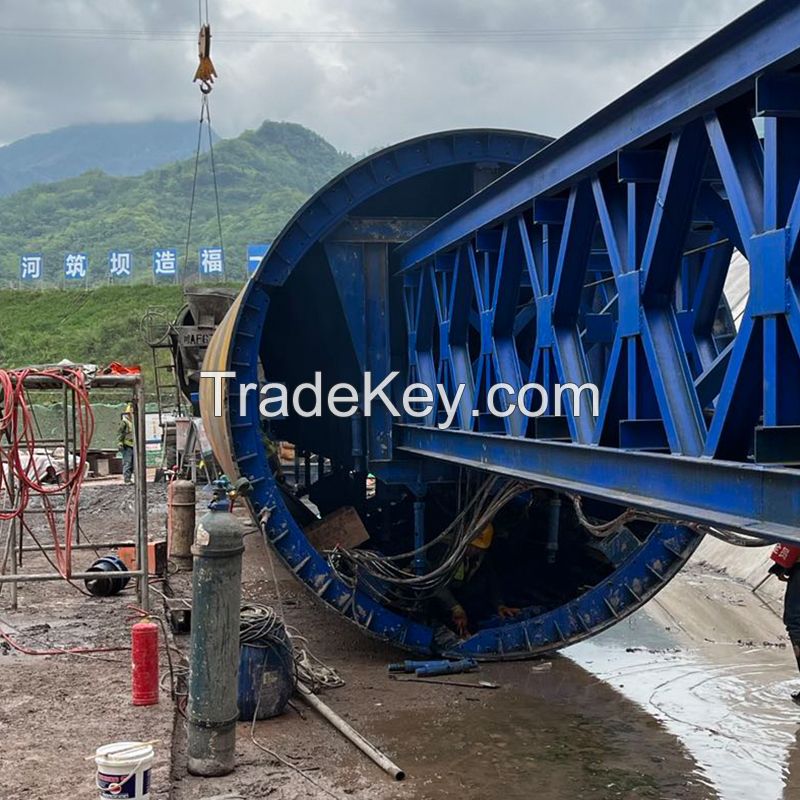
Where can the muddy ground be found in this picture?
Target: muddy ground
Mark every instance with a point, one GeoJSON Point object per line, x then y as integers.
{"type": "Point", "coordinates": [688, 699]}
{"type": "Point", "coordinates": [55, 710]}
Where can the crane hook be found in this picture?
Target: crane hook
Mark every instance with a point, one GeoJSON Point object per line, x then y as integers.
{"type": "Point", "coordinates": [205, 71]}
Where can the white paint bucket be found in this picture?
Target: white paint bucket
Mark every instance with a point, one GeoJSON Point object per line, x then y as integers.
{"type": "Point", "coordinates": [123, 770]}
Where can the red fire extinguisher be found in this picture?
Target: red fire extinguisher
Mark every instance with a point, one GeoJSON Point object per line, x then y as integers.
{"type": "Point", "coordinates": [144, 663]}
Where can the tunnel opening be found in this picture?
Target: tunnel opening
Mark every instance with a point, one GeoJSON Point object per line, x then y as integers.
{"type": "Point", "coordinates": [540, 557]}
{"type": "Point", "coordinates": [350, 510]}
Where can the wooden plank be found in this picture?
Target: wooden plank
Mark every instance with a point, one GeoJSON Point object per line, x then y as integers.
{"type": "Point", "coordinates": [342, 528]}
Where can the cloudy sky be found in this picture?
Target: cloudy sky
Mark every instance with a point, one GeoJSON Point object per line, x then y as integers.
{"type": "Point", "coordinates": [362, 73]}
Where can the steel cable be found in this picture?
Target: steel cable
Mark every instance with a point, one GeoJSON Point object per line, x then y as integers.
{"type": "Point", "coordinates": [261, 626]}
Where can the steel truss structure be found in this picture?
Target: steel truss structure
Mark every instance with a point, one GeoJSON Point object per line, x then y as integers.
{"type": "Point", "coordinates": [601, 258]}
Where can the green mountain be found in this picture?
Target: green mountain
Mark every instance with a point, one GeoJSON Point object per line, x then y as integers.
{"type": "Point", "coordinates": [85, 327]}
{"type": "Point", "coordinates": [119, 148]}
{"type": "Point", "coordinates": [263, 176]}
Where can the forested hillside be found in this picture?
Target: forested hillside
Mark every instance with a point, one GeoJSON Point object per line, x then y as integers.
{"type": "Point", "coordinates": [263, 177]}
{"type": "Point", "coordinates": [118, 148]}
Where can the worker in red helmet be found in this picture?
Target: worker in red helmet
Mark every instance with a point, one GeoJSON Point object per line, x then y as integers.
{"type": "Point", "coordinates": [474, 583]}
{"type": "Point", "coordinates": [787, 568]}
{"type": "Point", "coordinates": [125, 442]}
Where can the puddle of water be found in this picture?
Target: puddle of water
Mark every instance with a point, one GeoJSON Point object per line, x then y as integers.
{"type": "Point", "coordinates": [727, 704]}
{"type": "Point", "coordinates": [559, 734]}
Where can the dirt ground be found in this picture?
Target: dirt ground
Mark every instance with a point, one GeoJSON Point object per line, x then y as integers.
{"type": "Point", "coordinates": [688, 699]}
{"type": "Point", "coordinates": [56, 710]}
{"type": "Point", "coordinates": [550, 725]}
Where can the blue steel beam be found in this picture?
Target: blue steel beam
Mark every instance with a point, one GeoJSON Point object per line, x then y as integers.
{"type": "Point", "coordinates": [754, 500]}
{"type": "Point", "coordinates": [627, 267]}
{"type": "Point", "coordinates": [709, 75]}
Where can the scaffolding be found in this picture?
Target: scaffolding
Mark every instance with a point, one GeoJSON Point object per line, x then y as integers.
{"type": "Point", "coordinates": [13, 547]}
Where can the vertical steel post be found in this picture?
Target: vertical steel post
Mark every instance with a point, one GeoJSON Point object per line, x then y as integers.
{"type": "Point", "coordinates": [419, 535]}
{"type": "Point", "coordinates": [74, 450]}
{"type": "Point", "coordinates": [65, 401]}
{"type": "Point", "coordinates": [214, 658]}
{"type": "Point", "coordinates": [553, 526]}
{"type": "Point", "coordinates": [140, 472]}
{"type": "Point", "coordinates": [67, 490]}
{"type": "Point", "coordinates": [378, 426]}
{"type": "Point", "coordinates": [357, 450]}
{"type": "Point", "coordinates": [12, 532]}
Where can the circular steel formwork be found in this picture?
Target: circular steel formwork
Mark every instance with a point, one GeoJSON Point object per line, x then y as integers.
{"type": "Point", "coordinates": [285, 317]}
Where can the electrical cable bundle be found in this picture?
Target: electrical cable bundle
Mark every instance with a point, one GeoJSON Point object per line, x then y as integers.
{"type": "Point", "coordinates": [604, 529]}
{"type": "Point", "coordinates": [261, 626]}
{"type": "Point", "coordinates": [400, 586]}
{"type": "Point", "coordinates": [20, 474]}
{"type": "Point", "coordinates": [391, 580]}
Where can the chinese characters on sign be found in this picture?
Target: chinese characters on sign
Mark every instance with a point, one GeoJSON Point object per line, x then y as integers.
{"type": "Point", "coordinates": [255, 252]}
{"type": "Point", "coordinates": [30, 267]}
{"type": "Point", "coordinates": [76, 266]}
{"type": "Point", "coordinates": [120, 264]}
{"type": "Point", "coordinates": [211, 261]}
{"type": "Point", "coordinates": [165, 262]}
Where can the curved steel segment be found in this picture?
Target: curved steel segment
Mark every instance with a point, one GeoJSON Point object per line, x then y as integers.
{"type": "Point", "coordinates": [310, 304]}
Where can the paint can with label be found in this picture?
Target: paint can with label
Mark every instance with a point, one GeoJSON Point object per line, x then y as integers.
{"type": "Point", "coordinates": [123, 770]}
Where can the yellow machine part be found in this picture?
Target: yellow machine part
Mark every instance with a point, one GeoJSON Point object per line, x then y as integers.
{"type": "Point", "coordinates": [218, 359]}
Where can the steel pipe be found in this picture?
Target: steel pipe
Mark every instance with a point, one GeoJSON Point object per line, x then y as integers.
{"type": "Point", "coordinates": [55, 576]}
{"type": "Point", "coordinates": [351, 734]}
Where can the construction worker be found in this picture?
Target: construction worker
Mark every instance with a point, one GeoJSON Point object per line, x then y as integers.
{"type": "Point", "coordinates": [474, 588]}
{"type": "Point", "coordinates": [125, 441]}
{"type": "Point", "coordinates": [787, 568]}
{"type": "Point", "coordinates": [272, 449]}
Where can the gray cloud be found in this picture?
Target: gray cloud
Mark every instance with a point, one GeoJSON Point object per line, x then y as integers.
{"type": "Point", "coordinates": [357, 94]}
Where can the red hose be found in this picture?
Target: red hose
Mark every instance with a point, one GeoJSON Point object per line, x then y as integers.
{"type": "Point", "coordinates": [68, 651]}
{"type": "Point", "coordinates": [18, 439]}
